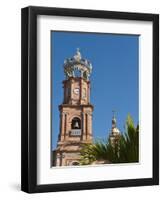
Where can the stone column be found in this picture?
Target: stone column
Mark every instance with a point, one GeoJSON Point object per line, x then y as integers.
{"type": "Point", "coordinates": [65, 125]}
{"type": "Point", "coordinates": [83, 126]}
{"type": "Point", "coordinates": [89, 126]}
{"type": "Point", "coordinates": [61, 159]}
{"type": "Point", "coordinates": [63, 163]}
{"type": "Point", "coordinates": [58, 159]}
{"type": "Point", "coordinates": [62, 125]}
{"type": "Point", "coordinates": [87, 122]}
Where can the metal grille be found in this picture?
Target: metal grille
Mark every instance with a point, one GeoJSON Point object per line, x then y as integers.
{"type": "Point", "coordinates": [76, 132]}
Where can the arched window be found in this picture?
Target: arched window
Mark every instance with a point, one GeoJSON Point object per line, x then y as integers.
{"type": "Point", "coordinates": [76, 123]}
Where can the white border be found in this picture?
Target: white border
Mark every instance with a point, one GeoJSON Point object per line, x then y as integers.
{"type": "Point", "coordinates": [47, 175]}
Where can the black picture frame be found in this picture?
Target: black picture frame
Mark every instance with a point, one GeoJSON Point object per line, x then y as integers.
{"type": "Point", "coordinates": [29, 98]}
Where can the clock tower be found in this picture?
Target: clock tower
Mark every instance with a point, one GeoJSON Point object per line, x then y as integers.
{"type": "Point", "coordinates": [75, 112]}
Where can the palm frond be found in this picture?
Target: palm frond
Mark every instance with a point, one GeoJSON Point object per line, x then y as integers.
{"type": "Point", "coordinates": [125, 151]}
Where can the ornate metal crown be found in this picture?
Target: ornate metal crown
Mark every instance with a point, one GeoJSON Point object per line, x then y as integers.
{"type": "Point", "coordinates": [77, 66]}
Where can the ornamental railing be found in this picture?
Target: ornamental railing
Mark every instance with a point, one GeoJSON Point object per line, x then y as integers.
{"type": "Point", "coordinates": [75, 132]}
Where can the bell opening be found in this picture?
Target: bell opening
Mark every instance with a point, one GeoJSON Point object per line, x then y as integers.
{"type": "Point", "coordinates": [76, 123]}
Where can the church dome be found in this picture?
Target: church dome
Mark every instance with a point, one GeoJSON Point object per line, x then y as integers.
{"type": "Point", "coordinates": [77, 66]}
{"type": "Point", "coordinates": [115, 131]}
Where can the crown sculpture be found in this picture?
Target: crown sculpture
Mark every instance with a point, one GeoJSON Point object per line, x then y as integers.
{"type": "Point", "coordinates": [77, 64]}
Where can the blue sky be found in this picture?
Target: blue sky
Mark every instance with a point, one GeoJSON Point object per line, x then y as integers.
{"type": "Point", "coordinates": [114, 79]}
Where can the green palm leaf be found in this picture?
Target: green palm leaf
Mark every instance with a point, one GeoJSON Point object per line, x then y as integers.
{"type": "Point", "coordinates": [125, 151]}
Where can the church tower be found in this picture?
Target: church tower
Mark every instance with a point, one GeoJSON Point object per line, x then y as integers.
{"type": "Point", "coordinates": [75, 111]}
{"type": "Point", "coordinates": [115, 134]}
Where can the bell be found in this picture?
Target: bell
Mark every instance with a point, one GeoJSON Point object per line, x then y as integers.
{"type": "Point", "coordinates": [76, 125]}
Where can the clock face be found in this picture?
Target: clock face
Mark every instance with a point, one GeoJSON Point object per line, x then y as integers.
{"type": "Point", "coordinates": [76, 91]}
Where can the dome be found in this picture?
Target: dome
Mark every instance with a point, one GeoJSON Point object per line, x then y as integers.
{"type": "Point", "coordinates": [77, 66]}
{"type": "Point", "coordinates": [116, 130]}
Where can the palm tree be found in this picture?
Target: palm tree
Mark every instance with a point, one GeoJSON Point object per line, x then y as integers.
{"type": "Point", "coordinates": [126, 150]}
{"type": "Point", "coordinates": [94, 152]}
{"type": "Point", "coordinates": [129, 142]}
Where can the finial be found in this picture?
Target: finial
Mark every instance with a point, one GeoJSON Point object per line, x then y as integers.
{"type": "Point", "coordinates": [113, 119]}
{"type": "Point", "coordinates": [113, 111]}
{"type": "Point", "coordinates": [77, 56]}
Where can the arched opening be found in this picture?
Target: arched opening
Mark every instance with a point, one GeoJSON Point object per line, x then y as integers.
{"type": "Point", "coordinates": [75, 163]}
{"type": "Point", "coordinates": [76, 123]}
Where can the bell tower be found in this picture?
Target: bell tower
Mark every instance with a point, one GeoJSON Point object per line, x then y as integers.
{"type": "Point", "coordinates": [75, 111]}
{"type": "Point", "coordinates": [115, 134]}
